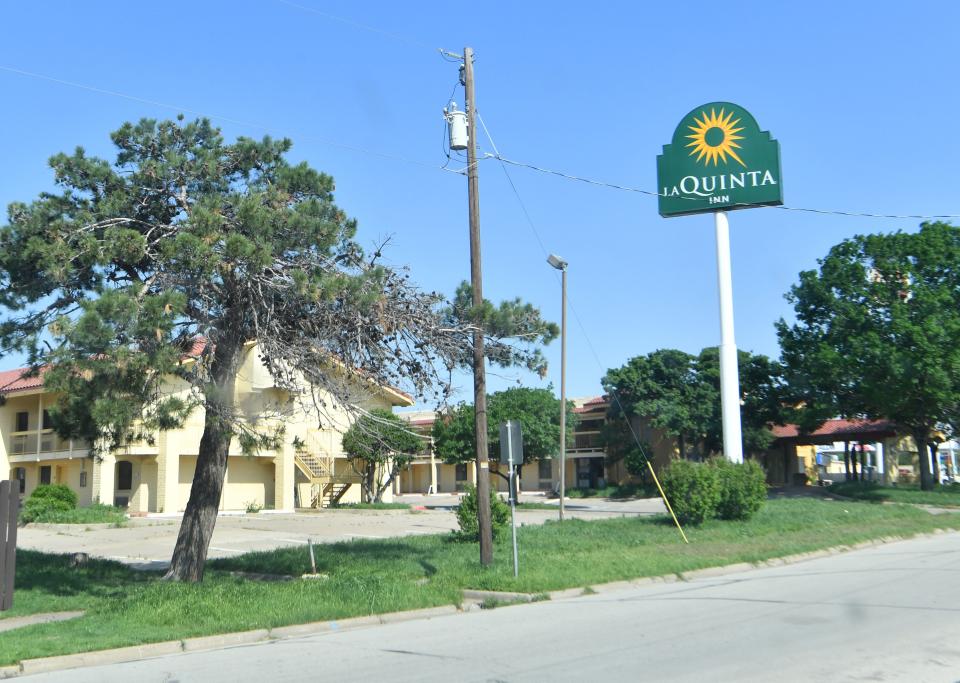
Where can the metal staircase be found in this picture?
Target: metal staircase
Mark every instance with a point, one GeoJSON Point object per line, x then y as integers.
{"type": "Point", "coordinates": [326, 486]}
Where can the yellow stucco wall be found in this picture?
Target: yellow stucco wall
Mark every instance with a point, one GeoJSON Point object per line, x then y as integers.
{"type": "Point", "coordinates": [249, 482]}
{"type": "Point", "coordinates": [163, 470]}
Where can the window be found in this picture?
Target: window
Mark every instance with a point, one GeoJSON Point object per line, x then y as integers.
{"type": "Point", "coordinates": [23, 421]}
{"type": "Point", "coordinates": [20, 474]}
{"type": "Point", "coordinates": [545, 469]}
{"type": "Point", "coordinates": [124, 475]}
{"type": "Point", "coordinates": [47, 420]}
{"type": "Point", "coordinates": [461, 474]}
{"type": "Point", "coordinates": [45, 474]}
{"type": "Point", "coordinates": [83, 480]}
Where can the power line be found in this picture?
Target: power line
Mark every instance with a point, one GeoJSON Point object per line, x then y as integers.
{"type": "Point", "coordinates": [627, 188]}
{"type": "Point", "coordinates": [219, 117]}
{"type": "Point", "coordinates": [583, 329]}
{"type": "Point", "coordinates": [357, 24]}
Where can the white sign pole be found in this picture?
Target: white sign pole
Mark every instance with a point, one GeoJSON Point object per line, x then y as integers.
{"type": "Point", "coordinates": [511, 453]}
{"type": "Point", "coordinates": [513, 521]}
{"type": "Point", "coordinates": [729, 374]}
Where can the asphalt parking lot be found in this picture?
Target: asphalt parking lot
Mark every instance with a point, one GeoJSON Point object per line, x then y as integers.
{"type": "Point", "coordinates": [148, 542]}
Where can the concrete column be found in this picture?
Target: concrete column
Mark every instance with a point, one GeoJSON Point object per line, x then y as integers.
{"type": "Point", "coordinates": [881, 466]}
{"type": "Point", "coordinates": [433, 473]}
{"type": "Point", "coordinates": [284, 478]}
{"type": "Point", "coordinates": [104, 478]}
{"type": "Point", "coordinates": [139, 495]}
{"type": "Point", "coordinates": [472, 471]}
{"type": "Point", "coordinates": [168, 476]}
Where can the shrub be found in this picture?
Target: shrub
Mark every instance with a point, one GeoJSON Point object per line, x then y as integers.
{"type": "Point", "coordinates": [743, 488]}
{"type": "Point", "coordinates": [693, 490]}
{"type": "Point", "coordinates": [467, 515]}
{"type": "Point", "coordinates": [47, 499]}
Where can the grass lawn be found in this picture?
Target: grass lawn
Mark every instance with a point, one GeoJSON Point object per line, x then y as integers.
{"type": "Point", "coordinates": [93, 514]}
{"type": "Point", "coordinates": [538, 506]}
{"type": "Point", "coordinates": [125, 607]}
{"type": "Point", "coordinates": [615, 492]}
{"type": "Point", "coordinates": [948, 496]}
{"type": "Point", "coordinates": [372, 506]}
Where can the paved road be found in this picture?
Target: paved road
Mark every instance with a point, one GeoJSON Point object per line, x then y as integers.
{"type": "Point", "coordinates": [889, 613]}
{"type": "Point", "coordinates": [148, 543]}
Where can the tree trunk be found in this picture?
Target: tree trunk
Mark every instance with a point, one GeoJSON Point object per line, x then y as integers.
{"type": "Point", "coordinates": [394, 472]}
{"type": "Point", "coordinates": [370, 482]}
{"type": "Point", "coordinates": [846, 460]}
{"type": "Point", "coordinates": [926, 476]}
{"type": "Point", "coordinates": [853, 462]}
{"type": "Point", "coordinates": [200, 516]}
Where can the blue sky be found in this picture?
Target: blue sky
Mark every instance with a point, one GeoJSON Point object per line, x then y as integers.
{"type": "Point", "coordinates": [862, 97]}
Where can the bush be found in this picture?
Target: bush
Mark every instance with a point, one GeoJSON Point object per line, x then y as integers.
{"type": "Point", "coordinates": [47, 499]}
{"type": "Point", "coordinates": [693, 490]}
{"type": "Point", "coordinates": [467, 515]}
{"type": "Point", "coordinates": [743, 488]}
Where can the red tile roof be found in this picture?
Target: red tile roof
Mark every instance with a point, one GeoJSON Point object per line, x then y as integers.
{"type": "Point", "coordinates": [199, 344]}
{"type": "Point", "coordinates": [594, 404]}
{"type": "Point", "coordinates": [14, 380]}
{"type": "Point", "coordinates": [424, 421]}
{"type": "Point", "coordinates": [837, 428]}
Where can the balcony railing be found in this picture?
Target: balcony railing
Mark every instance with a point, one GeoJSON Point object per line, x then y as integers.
{"type": "Point", "coordinates": [587, 442]}
{"type": "Point", "coordinates": [25, 443]}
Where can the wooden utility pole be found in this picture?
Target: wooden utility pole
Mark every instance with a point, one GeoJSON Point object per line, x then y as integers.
{"type": "Point", "coordinates": [476, 283]}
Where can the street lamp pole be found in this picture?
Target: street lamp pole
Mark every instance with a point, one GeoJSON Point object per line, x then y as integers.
{"type": "Point", "coordinates": [561, 265]}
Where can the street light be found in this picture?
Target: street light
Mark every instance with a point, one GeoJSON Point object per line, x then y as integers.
{"type": "Point", "coordinates": [561, 265]}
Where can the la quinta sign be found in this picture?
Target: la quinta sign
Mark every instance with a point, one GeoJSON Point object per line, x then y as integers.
{"type": "Point", "coordinates": [719, 160]}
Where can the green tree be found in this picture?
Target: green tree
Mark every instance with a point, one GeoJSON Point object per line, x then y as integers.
{"type": "Point", "coordinates": [877, 333]}
{"type": "Point", "coordinates": [537, 409]}
{"type": "Point", "coordinates": [762, 396]}
{"type": "Point", "coordinates": [680, 394]}
{"type": "Point", "coordinates": [664, 386]}
{"type": "Point", "coordinates": [379, 444]}
{"type": "Point", "coordinates": [189, 246]}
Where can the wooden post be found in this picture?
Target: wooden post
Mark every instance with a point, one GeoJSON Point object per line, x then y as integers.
{"type": "Point", "coordinates": [476, 282]}
{"type": "Point", "coordinates": [9, 508]}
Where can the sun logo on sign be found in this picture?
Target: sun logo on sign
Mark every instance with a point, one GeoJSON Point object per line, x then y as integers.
{"type": "Point", "coordinates": [715, 137]}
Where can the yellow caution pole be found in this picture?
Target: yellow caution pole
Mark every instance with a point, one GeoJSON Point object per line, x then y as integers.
{"type": "Point", "coordinates": [667, 502]}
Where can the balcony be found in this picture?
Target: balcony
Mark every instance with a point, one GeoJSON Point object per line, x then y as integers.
{"type": "Point", "coordinates": [44, 442]}
{"type": "Point", "coordinates": [586, 442]}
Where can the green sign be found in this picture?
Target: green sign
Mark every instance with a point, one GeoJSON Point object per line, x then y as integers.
{"type": "Point", "coordinates": [719, 160]}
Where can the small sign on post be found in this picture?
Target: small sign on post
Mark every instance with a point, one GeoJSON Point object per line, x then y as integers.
{"type": "Point", "coordinates": [9, 509]}
{"type": "Point", "coordinates": [511, 453]}
{"type": "Point", "coordinates": [511, 443]}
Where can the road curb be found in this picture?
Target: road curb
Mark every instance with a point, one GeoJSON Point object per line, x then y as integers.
{"type": "Point", "coordinates": [202, 643]}
{"type": "Point", "coordinates": [214, 642]}
{"type": "Point", "coordinates": [95, 658]}
{"type": "Point", "coordinates": [501, 596]}
{"type": "Point", "coordinates": [225, 640]}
